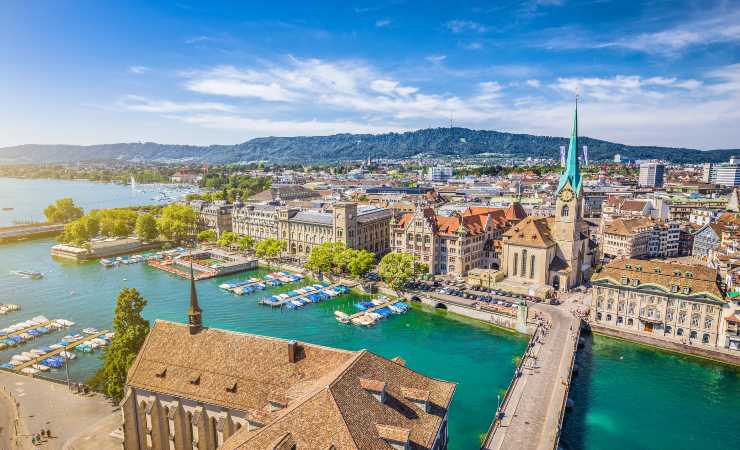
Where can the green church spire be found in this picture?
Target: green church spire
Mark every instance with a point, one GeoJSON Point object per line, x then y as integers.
{"type": "Point", "coordinates": [572, 170]}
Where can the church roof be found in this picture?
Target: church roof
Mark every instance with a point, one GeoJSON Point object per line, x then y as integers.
{"type": "Point", "coordinates": [326, 403]}
{"type": "Point", "coordinates": [572, 172]}
{"type": "Point", "coordinates": [532, 232]}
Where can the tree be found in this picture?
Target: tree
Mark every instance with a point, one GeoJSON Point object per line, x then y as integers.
{"type": "Point", "coordinates": [227, 238]}
{"type": "Point", "coordinates": [80, 231]}
{"type": "Point", "coordinates": [321, 258]}
{"type": "Point", "coordinates": [207, 236]}
{"type": "Point", "coordinates": [177, 222]}
{"type": "Point", "coordinates": [360, 262]}
{"type": "Point", "coordinates": [246, 243]}
{"type": "Point", "coordinates": [396, 269]}
{"type": "Point", "coordinates": [130, 331]}
{"type": "Point", "coordinates": [146, 227]}
{"type": "Point", "coordinates": [63, 211]}
{"type": "Point", "coordinates": [269, 249]}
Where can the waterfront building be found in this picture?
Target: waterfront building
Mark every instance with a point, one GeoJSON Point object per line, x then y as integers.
{"type": "Point", "coordinates": [186, 177]}
{"type": "Point", "coordinates": [616, 207]}
{"type": "Point", "coordinates": [360, 227]}
{"type": "Point", "coordinates": [213, 216]}
{"type": "Point", "coordinates": [663, 300]}
{"type": "Point", "coordinates": [640, 238]}
{"type": "Point", "coordinates": [540, 254]}
{"type": "Point", "coordinates": [454, 244]}
{"type": "Point", "coordinates": [651, 174]}
{"type": "Point", "coordinates": [230, 390]}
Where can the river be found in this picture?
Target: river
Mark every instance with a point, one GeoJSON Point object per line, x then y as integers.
{"type": "Point", "coordinates": [626, 395]}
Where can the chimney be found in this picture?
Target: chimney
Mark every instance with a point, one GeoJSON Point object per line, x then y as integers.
{"type": "Point", "coordinates": [419, 397]}
{"type": "Point", "coordinates": [376, 388]}
{"type": "Point", "coordinates": [292, 351]}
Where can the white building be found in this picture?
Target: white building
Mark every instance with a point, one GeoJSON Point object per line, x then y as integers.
{"type": "Point", "coordinates": [440, 173]}
{"type": "Point", "coordinates": [727, 174]}
{"type": "Point", "coordinates": [651, 174]}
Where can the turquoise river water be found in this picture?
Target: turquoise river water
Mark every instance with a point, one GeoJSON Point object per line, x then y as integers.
{"type": "Point", "coordinates": [626, 395]}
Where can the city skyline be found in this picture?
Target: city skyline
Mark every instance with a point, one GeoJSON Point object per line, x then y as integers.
{"type": "Point", "coordinates": [648, 73]}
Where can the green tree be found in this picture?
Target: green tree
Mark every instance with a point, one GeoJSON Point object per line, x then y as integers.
{"type": "Point", "coordinates": [80, 231]}
{"type": "Point", "coordinates": [63, 211]}
{"type": "Point", "coordinates": [130, 331]}
{"type": "Point", "coordinates": [246, 243]}
{"type": "Point", "coordinates": [207, 236]}
{"type": "Point", "coordinates": [396, 269]}
{"type": "Point", "coordinates": [321, 258]}
{"type": "Point", "coordinates": [360, 262]}
{"type": "Point", "coordinates": [177, 222]}
{"type": "Point", "coordinates": [269, 249]}
{"type": "Point", "coordinates": [146, 227]}
{"type": "Point", "coordinates": [227, 238]}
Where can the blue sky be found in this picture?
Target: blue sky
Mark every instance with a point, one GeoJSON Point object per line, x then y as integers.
{"type": "Point", "coordinates": [650, 72]}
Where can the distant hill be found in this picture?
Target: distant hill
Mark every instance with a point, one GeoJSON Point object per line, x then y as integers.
{"type": "Point", "coordinates": [433, 141]}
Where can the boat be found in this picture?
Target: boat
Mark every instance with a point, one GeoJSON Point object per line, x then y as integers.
{"type": "Point", "coordinates": [341, 317]}
{"type": "Point", "coordinates": [8, 208]}
{"type": "Point", "coordinates": [28, 274]}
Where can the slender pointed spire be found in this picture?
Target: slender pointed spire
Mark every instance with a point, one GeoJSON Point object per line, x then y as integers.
{"type": "Point", "coordinates": [195, 319]}
{"type": "Point", "coordinates": [572, 170]}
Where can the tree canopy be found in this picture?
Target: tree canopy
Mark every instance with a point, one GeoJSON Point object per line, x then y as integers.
{"type": "Point", "coordinates": [177, 222]}
{"type": "Point", "coordinates": [336, 257]}
{"type": "Point", "coordinates": [227, 238]}
{"type": "Point", "coordinates": [397, 268]}
{"type": "Point", "coordinates": [269, 248]}
{"type": "Point", "coordinates": [207, 236]}
{"type": "Point", "coordinates": [146, 227]}
{"type": "Point", "coordinates": [130, 331]}
{"type": "Point", "coordinates": [63, 211]}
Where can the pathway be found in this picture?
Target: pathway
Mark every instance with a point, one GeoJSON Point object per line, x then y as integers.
{"type": "Point", "coordinates": [49, 405]}
{"type": "Point", "coordinates": [533, 410]}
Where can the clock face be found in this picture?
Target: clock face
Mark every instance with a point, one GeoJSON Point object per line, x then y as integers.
{"type": "Point", "coordinates": [566, 195]}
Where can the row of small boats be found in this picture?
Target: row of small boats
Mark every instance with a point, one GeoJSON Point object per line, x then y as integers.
{"type": "Point", "coordinates": [56, 358]}
{"type": "Point", "coordinates": [23, 332]}
{"type": "Point", "coordinates": [305, 295]}
{"type": "Point", "coordinates": [256, 284]}
{"type": "Point", "coordinates": [6, 308]}
{"type": "Point", "coordinates": [139, 258]}
{"type": "Point", "coordinates": [372, 311]}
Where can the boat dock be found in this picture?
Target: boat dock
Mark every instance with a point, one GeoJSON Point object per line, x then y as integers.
{"type": "Point", "coordinates": [288, 300]}
{"type": "Point", "coordinates": [374, 308]}
{"type": "Point", "coordinates": [67, 347]}
{"type": "Point", "coordinates": [168, 266]}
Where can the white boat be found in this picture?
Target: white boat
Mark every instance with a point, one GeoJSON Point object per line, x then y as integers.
{"type": "Point", "coordinates": [68, 355]}
{"type": "Point", "coordinates": [40, 367]}
{"type": "Point", "coordinates": [30, 371]}
{"type": "Point", "coordinates": [28, 274]}
{"type": "Point", "coordinates": [341, 317]}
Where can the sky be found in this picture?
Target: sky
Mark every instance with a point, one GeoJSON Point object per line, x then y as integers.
{"type": "Point", "coordinates": [186, 72]}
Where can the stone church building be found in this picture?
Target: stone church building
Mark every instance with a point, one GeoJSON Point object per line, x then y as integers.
{"type": "Point", "coordinates": [542, 254]}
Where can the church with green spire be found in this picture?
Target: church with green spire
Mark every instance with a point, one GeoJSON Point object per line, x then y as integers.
{"type": "Point", "coordinates": [544, 254]}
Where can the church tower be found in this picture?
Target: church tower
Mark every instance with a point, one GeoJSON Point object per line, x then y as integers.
{"type": "Point", "coordinates": [569, 194]}
{"type": "Point", "coordinates": [195, 319]}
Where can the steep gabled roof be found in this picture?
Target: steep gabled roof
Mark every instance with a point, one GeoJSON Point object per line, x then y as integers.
{"type": "Point", "coordinates": [533, 231]}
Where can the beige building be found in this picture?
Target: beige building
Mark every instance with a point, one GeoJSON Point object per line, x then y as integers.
{"type": "Point", "coordinates": [285, 193]}
{"type": "Point", "coordinates": [540, 254]}
{"type": "Point", "coordinates": [214, 216]}
{"type": "Point", "coordinates": [363, 227]}
{"type": "Point", "coordinates": [456, 243]}
{"type": "Point", "coordinates": [669, 301]}
{"type": "Point", "coordinates": [640, 238]}
{"type": "Point", "coordinates": [230, 390]}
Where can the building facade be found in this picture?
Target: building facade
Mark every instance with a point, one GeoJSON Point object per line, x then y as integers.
{"type": "Point", "coordinates": [668, 301]}
{"type": "Point", "coordinates": [640, 238]}
{"type": "Point", "coordinates": [651, 174]}
{"type": "Point", "coordinates": [456, 243]}
{"type": "Point", "coordinates": [214, 216]}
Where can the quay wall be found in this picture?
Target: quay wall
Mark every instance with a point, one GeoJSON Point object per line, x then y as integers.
{"type": "Point", "coordinates": [14, 233]}
{"type": "Point", "coordinates": [701, 352]}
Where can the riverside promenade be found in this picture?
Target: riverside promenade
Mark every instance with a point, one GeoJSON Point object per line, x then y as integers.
{"type": "Point", "coordinates": [532, 410]}
{"type": "Point", "coordinates": [27, 231]}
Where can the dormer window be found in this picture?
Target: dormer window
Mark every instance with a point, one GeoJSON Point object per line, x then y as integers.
{"type": "Point", "coordinates": [161, 374]}
{"type": "Point", "coordinates": [638, 268]}
{"type": "Point", "coordinates": [195, 380]}
{"type": "Point", "coordinates": [674, 288]}
{"type": "Point", "coordinates": [676, 273]}
{"type": "Point", "coordinates": [635, 282]}
{"type": "Point", "coordinates": [689, 275]}
{"type": "Point", "coordinates": [628, 266]}
{"type": "Point", "coordinates": [686, 290]}
{"type": "Point", "coordinates": [396, 437]}
{"type": "Point", "coordinates": [376, 388]}
{"type": "Point", "coordinates": [657, 270]}
{"type": "Point", "coordinates": [625, 280]}
{"type": "Point", "coordinates": [231, 388]}
{"type": "Point", "coordinates": [419, 397]}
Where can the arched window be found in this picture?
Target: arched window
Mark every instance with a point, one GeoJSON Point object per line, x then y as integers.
{"type": "Point", "coordinates": [516, 263]}
{"type": "Point", "coordinates": [524, 263]}
{"type": "Point", "coordinates": [531, 267]}
{"type": "Point", "coordinates": [565, 211]}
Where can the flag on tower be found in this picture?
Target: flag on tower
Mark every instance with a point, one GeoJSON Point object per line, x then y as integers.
{"type": "Point", "coordinates": [585, 155]}
{"type": "Point", "coordinates": [562, 156]}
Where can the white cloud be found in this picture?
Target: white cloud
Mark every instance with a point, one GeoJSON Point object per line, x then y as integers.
{"type": "Point", "coordinates": [461, 26]}
{"type": "Point", "coordinates": [382, 23]}
{"type": "Point", "coordinates": [473, 46]}
{"type": "Point", "coordinates": [143, 104]}
{"type": "Point", "coordinates": [138, 70]}
{"type": "Point", "coordinates": [533, 83]}
{"type": "Point", "coordinates": [716, 26]}
{"type": "Point", "coordinates": [436, 59]}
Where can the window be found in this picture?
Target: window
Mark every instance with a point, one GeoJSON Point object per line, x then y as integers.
{"type": "Point", "coordinates": [705, 338]}
{"type": "Point", "coordinates": [564, 211]}
{"type": "Point", "coordinates": [681, 316]}
{"type": "Point", "coordinates": [695, 320]}
{"type": "Point", "coordinates": [630, 322]}
{"type": "Point", "coordinates": [598, 316]}
{"type": "Point", "coordinates": [516, 263]}
{"type": "Point", "coordinates": [708, 322]}
{"type": "Point", "coordinates": [631, 309]}
{"type": "Point", "coordinates": [608, 317]}
{"type": "Point", "coordinates": [531, 267]}
{"type": "Point", "coordinates": [668, 329]}
{"type": "Point", "coordinates": [679, 332]}
{"type": "Point", "coordinates": [619, 320]}
{"type": "Point", "coordinates": [610, 304]}
{"type": "Point", "coordinates": [524, 263]}
{"type": "Point", "coordinates": [693, 335]}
